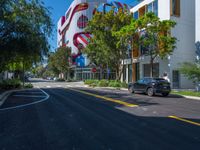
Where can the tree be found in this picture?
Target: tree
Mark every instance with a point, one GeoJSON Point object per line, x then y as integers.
{"type": "Point", "coordinates": [104, 49]}
{"type": "Point", "coordinates": [156, 37]}
{"type": "Point", "coordinates": [59, 61]}
{"type": "Point", "coordinates": [24, 30]}
{"type": "Point", "coordinates": [152, 35]}
{"type": "Point", "coordinates": [191, 71]}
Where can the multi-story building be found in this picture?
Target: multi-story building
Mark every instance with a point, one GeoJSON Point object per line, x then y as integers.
{"type": "Point", "coordinates": [186, 14]}
{"type": "Point", "coordinates": [71, 33]}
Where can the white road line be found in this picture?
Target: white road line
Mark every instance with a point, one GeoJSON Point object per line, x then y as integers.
{"type": "Point", "coordinates": [33, 103]}
{"type": "Point", "coordinates": [48, 86]}
{"type": "Point", "coordinates": [32, 92]}
{"type": "Point", "coordinates": [28, 96]}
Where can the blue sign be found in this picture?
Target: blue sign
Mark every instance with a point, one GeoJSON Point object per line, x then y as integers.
{"type": "Point", "coordinates": [80, 61]}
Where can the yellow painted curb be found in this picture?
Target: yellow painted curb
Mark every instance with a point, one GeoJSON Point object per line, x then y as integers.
{"type": "Point", "coordinates": [185, 120]}
{"type": "Point", "coordinates": [107, 98]}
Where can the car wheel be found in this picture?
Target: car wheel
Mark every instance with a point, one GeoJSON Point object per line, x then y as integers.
{"type": "Point", "coordinates": [150, 92]}
{"type": "Point", "coordinates": [130, 89]}
{"type": "Point", "coordinates": [165, 94]}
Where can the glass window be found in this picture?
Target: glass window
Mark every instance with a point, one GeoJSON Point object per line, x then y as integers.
{"type": "Point", "coordinates": [150, 8]}
{"type": "Point", "coordinates": [146, 69]}
{"type": "Point", "coordinates": [175, 7]}
{"type": "Point", "coordinates": [175, 79]}
{"type": "Point", "coordinates": [130, 73]}
{"type": "Point", "coordinates": [155, 7]}
{"type": "Point", "coordinates": [136, 15]}
{"type": "Point", "coordinates": [124, 73]}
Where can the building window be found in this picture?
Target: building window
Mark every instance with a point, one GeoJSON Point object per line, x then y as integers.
{"type": "Point", "coordinates": [150, 7]}
{"type": "Point", "coordinates": [124, 73]}
{"type": "Point", "coordinates": [175, 79]}
{"type": "Point", "coordinates": [136, 15]}
{"type": "Point", "coordinates": [146, 69]}
{"type": "Point", "coordinates": [130, 68]}
{"type": "Point", "coordinates": [155, 7]}
{"type": "Point", "coordinates": [175, 8]}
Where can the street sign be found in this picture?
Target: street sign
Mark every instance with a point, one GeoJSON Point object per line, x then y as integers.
{"type": "Point", "coordinates": [94, 70]}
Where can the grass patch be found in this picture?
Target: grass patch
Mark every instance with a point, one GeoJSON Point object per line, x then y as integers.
{"type": "Point", "coordinates": [187, 93]}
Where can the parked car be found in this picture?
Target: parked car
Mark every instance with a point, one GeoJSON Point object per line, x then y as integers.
{"type": "Point", "coordinates": [151, 86]}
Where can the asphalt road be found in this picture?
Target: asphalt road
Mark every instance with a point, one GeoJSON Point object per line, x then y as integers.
{"type": "Point", "coordinates": [70, 120]}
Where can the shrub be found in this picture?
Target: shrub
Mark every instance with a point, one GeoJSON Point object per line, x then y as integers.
{"type": "Point", "coordinates": [91, 82]}
{"type": "Point", "coordinates": [114, 83]}
{"type": "Point", "coordinates": [60, 80]}
{"type": "Point", "coordinates": [10, 84]}
{"type": "Point", "coordinates": [103, 83]}
{"type": "Point", "coordinates": [124, 85]}
{"type": "Point", "coordinates": [28, 85]}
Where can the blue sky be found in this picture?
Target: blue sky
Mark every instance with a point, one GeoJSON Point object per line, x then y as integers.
{"type": "Point", "coordinates": [58, 9]}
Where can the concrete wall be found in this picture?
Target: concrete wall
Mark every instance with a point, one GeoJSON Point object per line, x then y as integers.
{"type": "Point", "coordinates": [197, 27]}
{"type": "Point", "coordinates": [164, 9]}
{"type": "Point", "coordinates": [185, 34]}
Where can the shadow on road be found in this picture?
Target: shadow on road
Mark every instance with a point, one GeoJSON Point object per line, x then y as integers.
{"type": "Point", "coordinates": [72, 120]}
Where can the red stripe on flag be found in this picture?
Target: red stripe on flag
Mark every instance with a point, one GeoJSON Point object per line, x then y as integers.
{"type": "Point", "coordinates": [84, 40]}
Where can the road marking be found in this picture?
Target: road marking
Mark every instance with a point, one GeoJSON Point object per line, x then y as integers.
{"type": "Point", "coordinates": [33, 103]}
{"type": "Point", "coordinates": [107, 98]}
{"type": "Point", "coordinates": [28, 92]}
{"type": "Point", "coordinates": [28, 96]}
{"type": "Point", "coordinates": [184, 120]}
{"type": "Point", "coordinates": [48, 86]}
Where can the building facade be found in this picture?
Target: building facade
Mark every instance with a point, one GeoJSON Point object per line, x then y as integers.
{"type": "Point", "coordinates": [186, 14]}
{"type": "Point", "coordinates": [71, 33]}
{"type": "Point", "coordinates": [71, 29]}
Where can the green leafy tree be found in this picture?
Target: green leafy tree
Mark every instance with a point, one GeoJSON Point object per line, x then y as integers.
{"type": "Point", "coordinates": [191, 71]}
{"type": "Point", "coordinates": [59, 61]}
{"type": "Point", "coordinates": [157, 37]}
{"type": "Point", "coordinates": [24, 30]}
{"type": "Point", "coordinates": [104, 49]}
{"type": "Point", "coordinates": [151, 34]}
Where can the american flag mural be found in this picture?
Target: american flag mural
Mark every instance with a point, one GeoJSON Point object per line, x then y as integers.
{"type": "Point", "coordinates": [71, 26]}
{"type": "Point", "coordinates": [82, 21]}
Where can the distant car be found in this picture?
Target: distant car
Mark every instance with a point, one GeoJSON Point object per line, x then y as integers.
{"type": "Point", "coordinates": [151, 86]}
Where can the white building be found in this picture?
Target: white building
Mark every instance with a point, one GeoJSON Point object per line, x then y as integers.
{"type": "Point", "coordinates": [71, 28]}
{"type": "Point", "coordinates": [71, 33]}
{"type": "Point", "coordinates": [186, 13]}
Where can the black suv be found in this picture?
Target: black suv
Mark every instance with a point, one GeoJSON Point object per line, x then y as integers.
{"type": "Point", "coordinates": [150, 86]}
